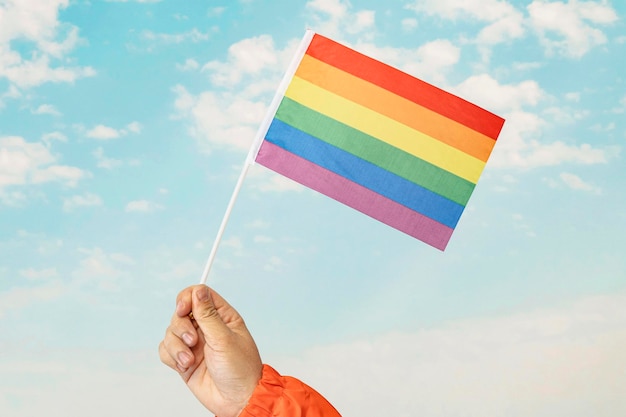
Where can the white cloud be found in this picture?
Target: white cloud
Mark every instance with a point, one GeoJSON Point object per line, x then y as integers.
{"type": "Point", "coordinates": [19, 298]}
{"type": "Point", "coordinates": [220, 120]}
{"type": "Point", "coordinates": [262, 239]}
{"type": "Point", "coordinates": [12, 198]}
{"type": "Point", "coordinates": [431, 61]}
{"type": "Point", "coordinates": [103, 132]}
{"type": "Point", "coordinates": [566, 361]}
{"type": "Point", "coordinates": [568, 28]}
{"type": "Point", "coordinates": [101, 270]}
{"type": "Point", "coordinates": [566, 115]}
{"type": "Point", "coordinates": [487, 92]}
{"type": "Point", "coordinates": [47, 109]}
{"type": "Point", "coordinates": [233, 243]}
{"type": "Point", "coordinates": [265, 180]}
{"type": "Point", "coordinates": [519, 146]}
{"type": "Point", "coordinates": [526, 66]}
{"type": "Point", "coordinates": [12, 93]}
{"type": "Point", "coordinates": [68, 175]}
{"type": "Point", "coordinates": [48, 138]}
{"type": "Point", "coordinates": [33, 274]}
{"type": "Point", "coordinates": [621, 107]}
{"type": "Point", "coordinates": [333, 17]}
{"type": "Point", "coordinates": [364, 20]}
{"type": "Point", "coordinates": [600, 128]}
{"type": "Point", "coordinates": [79, 201]}
{"type": "Point", "coordinates": [434, 59]}
{"type": "Point", "coordinates": [105, 162]}
{"type": "Point", "coordinates": [32, 73]}
{"type": "Point", "coordinates": [409, 24]}
{"type": "Point", "coordinates": [24, 162]}
{"type": "Point", "coordinates": [249, 56]}
{"type": "Point", "coordinates": [81, 376]}
{"type": "Point", "coordinates": [36, 22]}
{"type": "Point", "coordinates": [133, 1]}
{"type": "Point", "coordinates": [188, 65]}
{"type": "Point", "coordinates": [142, 206]}
{"type": "Point", "coordinates": [193, 35]}
{"type": "Point", "coordinates": [505, 22]}
{"type": "Point", "coordinates": [573, 96]}
{"type": "Point", "coordinates": [335, 9]}
{"type": "Point", "coordinates": [273, 264]}
{"type": "Point", "coordinates": [571, 28]}
{"type": "Point", "coordinates": [216, 11]}
{"type": "Point", "coordinates": [576, 183]}
{"type": "Point", "coordinates": [134, 127]}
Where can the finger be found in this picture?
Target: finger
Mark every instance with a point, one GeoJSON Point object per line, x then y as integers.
{"type": "Point", "coordinates": [183, 302]}
{"type": "Point", "coordinates": [185, 329]}
{"type": "Point", "coordinates": [208, 318]}
{"type": "Point", "coordinates": [166, 358]}
{"type": "Point", "coordinates": [226, 312]}
{"type": "Point", "coordinates": [179, 353]}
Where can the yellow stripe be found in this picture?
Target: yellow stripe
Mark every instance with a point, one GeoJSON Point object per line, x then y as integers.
{"type": "Point", "coordinates": [385, 129]}
{"type": "Point", "coordinates": [398, 108]}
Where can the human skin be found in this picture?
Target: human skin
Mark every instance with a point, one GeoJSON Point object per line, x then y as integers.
{"type": "Point", "coordinates": [212, 351]}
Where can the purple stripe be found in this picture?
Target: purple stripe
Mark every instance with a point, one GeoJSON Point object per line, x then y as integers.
{"type": "Point", "coordinates": [354, 195]}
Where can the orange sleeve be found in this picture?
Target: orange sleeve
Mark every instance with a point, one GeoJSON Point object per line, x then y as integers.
{"type": "Point", "coordinates": [284, 396]}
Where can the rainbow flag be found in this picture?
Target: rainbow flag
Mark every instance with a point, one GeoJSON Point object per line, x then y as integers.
{"type": "Point", "coordinates": [377, 139]}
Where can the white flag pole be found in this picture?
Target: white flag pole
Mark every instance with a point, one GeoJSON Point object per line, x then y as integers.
{"type": "Point", "coordinates": [256, 145]}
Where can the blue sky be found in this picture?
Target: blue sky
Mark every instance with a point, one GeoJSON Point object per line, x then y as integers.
{"type": "Point", "coordinates": [123, 127]}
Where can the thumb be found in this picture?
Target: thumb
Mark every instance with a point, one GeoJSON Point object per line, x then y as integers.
{"type": "Point", "coordinates": [206, 315]}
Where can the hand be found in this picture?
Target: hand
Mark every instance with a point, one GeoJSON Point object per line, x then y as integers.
{"type": "Point", "coordinates": [214, 353]}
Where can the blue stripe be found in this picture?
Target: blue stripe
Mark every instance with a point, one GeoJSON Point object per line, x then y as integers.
{"type": "Point", "coordinates": [364, 173]}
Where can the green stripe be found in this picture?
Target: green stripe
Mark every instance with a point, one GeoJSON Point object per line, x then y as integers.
{"type": "Point", "coordinates": [379, 153]}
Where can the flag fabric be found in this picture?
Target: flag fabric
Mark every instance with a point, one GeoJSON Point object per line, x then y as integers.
{"type": "Point", "coordinates": [378, 140]}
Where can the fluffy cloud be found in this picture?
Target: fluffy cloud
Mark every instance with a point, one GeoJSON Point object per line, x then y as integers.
{"type": "Point", "coordinates": [487, 92]}
{"type": "Point", "coordinates": [17, 298]}
{"type": "Point", "coordinates": [101, 270]}
{"type": "Point", "coordinates": [142, 206]}
{"type": "Point", "coordinates": [521, 144]}
{"type": "Point", "coordinates": [576, 183]}
{"type": "Point", "coordinates": [47, 109]}
{"type": "Point", "coordinates": [33, 274]}
{"type": "Point", "coordinates": [220, 120]}
{"type": "Point", "coordinates": [189, 65]}
{"type": "Point", "coordinates": [103, 132]}
{"type": "Point", "coordinates": [23, 162]}
{"type": "Point", "coordinates": [84, 200]}
{"type": "Point", "coordinates": [193, 35]}
{"type": "Point", "coordinates": [37, 22]}
{"type": "Point", "coordinates": [334, 17]}
{"type": "Point", "coordinates": [104, 161]}
{"type": "Point", "coordinates": [431, 61]}
{"type": "Point", "coordinates": [247, 57]}
{"type": "Point", "coordinates": [504, 21]}
{"type": "Point", "coordinates": [571, 28]}
{"type": "Point", "coordinates": [565, 361]}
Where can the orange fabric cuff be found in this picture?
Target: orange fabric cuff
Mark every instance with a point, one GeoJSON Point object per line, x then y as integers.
{"type": "Point", "coordinates": [277, 396]}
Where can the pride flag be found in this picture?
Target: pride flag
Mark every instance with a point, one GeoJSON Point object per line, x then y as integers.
{"type": "Point", "coordinates": [377, 139]}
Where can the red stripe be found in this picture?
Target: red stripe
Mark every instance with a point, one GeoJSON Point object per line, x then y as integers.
{"type": "Point", "coordinates": [354, 195]}
{"type": "Point", "coordinates": [406, 86]}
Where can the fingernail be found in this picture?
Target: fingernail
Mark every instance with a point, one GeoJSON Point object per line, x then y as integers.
{"type": "Point", "coordinates": [184, 359]}
{"type": "Point", "coordinates": [187, 339]}
{"type": "Point", "coordinates": [203, 294]}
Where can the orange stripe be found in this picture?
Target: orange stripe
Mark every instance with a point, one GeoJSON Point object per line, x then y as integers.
{"type": "Point", "coordinates": [398, 108]}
